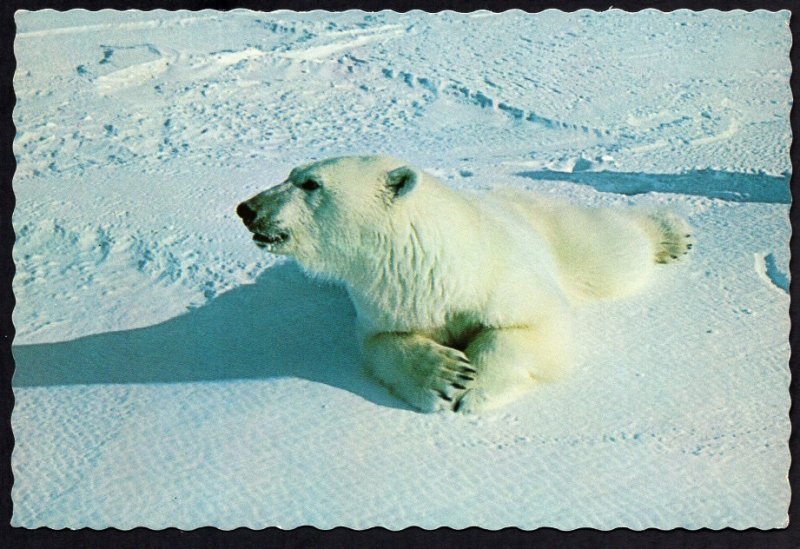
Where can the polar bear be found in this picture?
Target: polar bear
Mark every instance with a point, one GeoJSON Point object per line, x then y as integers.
{"type": "Point", "coordinates": [462, 300]}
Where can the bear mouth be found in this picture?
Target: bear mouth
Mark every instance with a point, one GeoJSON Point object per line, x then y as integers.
{"type": "Point", "coordinates": [269, 240]}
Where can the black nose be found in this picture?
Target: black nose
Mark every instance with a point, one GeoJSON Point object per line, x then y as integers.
{"type": "Point", "coordinates": [246, 212]}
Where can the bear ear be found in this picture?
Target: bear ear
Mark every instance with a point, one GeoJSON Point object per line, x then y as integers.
{"type": "Point", "coordinates": [402, 180]}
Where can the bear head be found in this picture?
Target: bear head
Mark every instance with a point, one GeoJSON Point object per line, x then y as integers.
{"type": "Point", "coordinates": [327, 210]}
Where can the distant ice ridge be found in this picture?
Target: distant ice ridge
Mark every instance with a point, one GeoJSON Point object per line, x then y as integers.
{"type": "Point", "coordinates": [276, 60]}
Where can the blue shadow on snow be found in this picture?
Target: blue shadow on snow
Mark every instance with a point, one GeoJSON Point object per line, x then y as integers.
{"type": "Point", "coordinates": [285, 325]}
{"type": "Point", "coordinates": [733, 186]}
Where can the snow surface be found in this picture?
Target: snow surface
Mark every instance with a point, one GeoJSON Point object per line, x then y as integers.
{"type": "Point", "coordinates": [169, 373]}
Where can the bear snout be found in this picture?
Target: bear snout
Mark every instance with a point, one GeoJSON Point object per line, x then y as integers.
{"type": "Point", "coordinates": [247, 213]}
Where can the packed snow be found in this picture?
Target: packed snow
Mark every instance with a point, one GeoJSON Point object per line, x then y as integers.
{"type": "Point", "coordinates": [170, 373]}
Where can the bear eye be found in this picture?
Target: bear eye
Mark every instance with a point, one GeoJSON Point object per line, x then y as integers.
{"type": "Point", "coordinates": [309, 185]}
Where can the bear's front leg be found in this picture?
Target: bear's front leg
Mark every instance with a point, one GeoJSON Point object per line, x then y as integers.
{"type": "Point", "coordinates": [511, 361]}
{"type": "Point", "coordinates": [427, 375]}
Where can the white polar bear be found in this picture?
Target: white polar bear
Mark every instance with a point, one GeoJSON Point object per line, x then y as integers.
{"type": "Point", "coordinates": [462, 299]}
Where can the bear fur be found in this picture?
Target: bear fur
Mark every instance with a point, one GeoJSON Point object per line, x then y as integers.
{"type": "Point", "coordinates": [462, 300]}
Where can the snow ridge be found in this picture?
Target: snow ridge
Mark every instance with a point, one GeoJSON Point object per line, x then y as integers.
{"type": "Point", "coordinates": [485, 100]}
{"type": "Point", "coordinates": [735, 187]}
{"type": "Point", "coordinates": [768, 270]}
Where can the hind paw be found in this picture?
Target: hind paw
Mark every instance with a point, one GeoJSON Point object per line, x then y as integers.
{"type": "Point", "coordinates": [674, 246]}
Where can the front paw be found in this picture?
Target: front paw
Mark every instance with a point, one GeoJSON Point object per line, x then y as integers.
{"type": "Point", "coordinates": [447, 375]}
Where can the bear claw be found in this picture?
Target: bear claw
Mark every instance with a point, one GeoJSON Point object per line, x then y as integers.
{"type": "Point", "coordinates": [444, 396]}
{"type": "Point", "coordinates": [460, 401]}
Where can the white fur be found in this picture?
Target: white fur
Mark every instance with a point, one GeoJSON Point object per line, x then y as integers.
{"type": "Point", "coordinates": [462, 299]}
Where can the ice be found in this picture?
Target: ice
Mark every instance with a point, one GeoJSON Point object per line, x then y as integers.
{"type": "Point", "coordinates": [169, 373]}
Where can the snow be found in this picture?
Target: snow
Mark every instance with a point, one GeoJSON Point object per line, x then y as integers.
{"type": "Point", "coordinates": [169, 373]}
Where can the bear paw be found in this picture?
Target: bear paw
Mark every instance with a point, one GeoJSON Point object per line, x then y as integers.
{"type": "Point", "coordinates": [447, 375]}
{"type": "Point", "coordinates": [675, 240]}
{"type": "Point", "coordinates": [473, 401]}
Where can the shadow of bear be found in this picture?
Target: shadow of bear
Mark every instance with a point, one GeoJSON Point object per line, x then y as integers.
{"type": "Point", "coordinates": [285, 325]}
